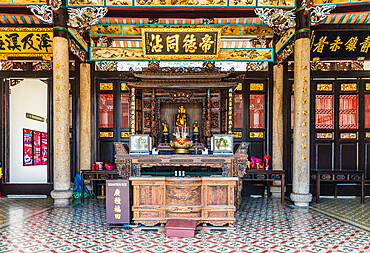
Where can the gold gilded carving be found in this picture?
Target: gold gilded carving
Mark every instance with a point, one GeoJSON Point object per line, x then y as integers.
{"type": "Point", "coordinates": [262, 54]}
{"type": "Point", "coordinates": [348, 135]}
{"type": "Point", "coordinates": [85, 2]}
{"type": "Point", "coordinates": [58, 152]}
{"type": "Point", "coordinates": [106, 29]}
{"type": "Point", "coordinates": [304, 134]}
{"type": "Point", "coordinates": [119, 2]}
{"type": "Point", "coordinates": [57, 65]}
{"type": "Point", "coordinates": [106, 86]}
{"type": "Point", "coordinates": [256, 86]}
{"type": "Point", "coordinates": [367, 86]}
{"type": "Point", "coordinates": [304, 157]}
{"type": "Point", "coordinates": [125, 134]}
{"type": "Point", "coordinates": [238, 134]}
{"type": "Point", "coordinates": [181, 3]}
{"type": "Point", "coordinates": [304, 145]}
{"type": "Point", "coordinates": [58, 76]}
{"type": "Point", "coordinates": [304, 123]}
{"type": "Point", "coordinates": [367, 134]}
{"type": "Point", "coordinates": [239, 87]}
{"type": "Point", "coordinates": [324, 135]}
{"type": "Point", "coordinates": [124, 86]}
{"type": "Point", "coordinates": [304, 90]}
{"type": "Point", "coordinates": [324, 87]}
{"type": "Point", "coordinates": [106, 134]}
{"type": "Point", "coordinates": [255, 30]}
{"type": "Point", "coordinates": [348, 87]}
{"type": "Point", "coordinates": [256, 134]}
{"type": "Point", "coordinates": [58, 119]}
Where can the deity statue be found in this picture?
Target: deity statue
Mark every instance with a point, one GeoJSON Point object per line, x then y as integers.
{"type": "Point", "coordinates": [196, 127]}
{"type": "Point", "coordinates": [181, 117]}
{"type": "Point", "coordinates": [165, 127]}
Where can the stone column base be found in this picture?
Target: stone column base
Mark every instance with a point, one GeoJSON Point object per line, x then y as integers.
{"type": "Point", "coordinates": [301, 200]}
{"type": "Point", "coordinates": [61, 197]}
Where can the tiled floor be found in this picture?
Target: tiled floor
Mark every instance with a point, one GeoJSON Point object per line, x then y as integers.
{"type": "Point", "coordinates": [350, 209]}
{"type": "Point", "coordinates": [261, 226]}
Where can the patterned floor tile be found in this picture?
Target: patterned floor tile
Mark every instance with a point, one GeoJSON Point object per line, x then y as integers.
{"type": "Point", "coordinates": [261, 226]}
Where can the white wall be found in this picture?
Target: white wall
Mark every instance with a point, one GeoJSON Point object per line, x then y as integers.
{"type": "Point", "coordinates": [29, 96]}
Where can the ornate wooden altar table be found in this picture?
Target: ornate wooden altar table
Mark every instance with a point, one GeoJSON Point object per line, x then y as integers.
{"type": "Point", "coordinates": [204, 199]}
{"type": "Point", "coordinates": [230, 164]}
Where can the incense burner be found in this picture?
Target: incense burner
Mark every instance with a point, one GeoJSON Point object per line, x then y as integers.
{"type": "Point", "coordinates": [181, 146]}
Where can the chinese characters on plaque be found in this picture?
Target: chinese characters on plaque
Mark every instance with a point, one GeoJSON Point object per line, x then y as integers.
{"type": "Point", "coordinates": [181, 42]}
{"type": "Point", "coordinates": [117, 202]}
{"type": "Point", "coordinates": [340, 44]}
{"type": "Point", "coordinates": [15, 40]}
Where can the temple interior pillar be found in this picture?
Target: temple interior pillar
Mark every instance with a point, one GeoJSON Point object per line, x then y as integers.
{"type": "Point", "coordinates": [61, 156]}
{"type": "Point", "coordinates": [301, 195]}
{"type": "Point", "coordinates": [85, 116]}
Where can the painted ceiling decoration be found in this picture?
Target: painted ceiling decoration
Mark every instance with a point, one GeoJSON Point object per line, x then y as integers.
{"type": "Point", "coordinates": [79, 18]}
{"type": "Point", "coordinates": [282, 20]}
{"type": "Point", "coordinates": [333, 18]}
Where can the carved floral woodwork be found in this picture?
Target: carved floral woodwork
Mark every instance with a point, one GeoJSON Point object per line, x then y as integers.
{"type": "Point", "coordinates": [204, 199]}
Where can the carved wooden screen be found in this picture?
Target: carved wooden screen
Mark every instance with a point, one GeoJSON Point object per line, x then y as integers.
{"type": "Point", "coordinates": [324, 112]}
{"type": "Point", "coordinates": [124, 110]}
{"type": "Point", "coordinates": [238, 111]}
{"type": "Point", "coordinates": [348, 111]}
{"type": "Point", "coordinates": [106, 111]}
{"type": "Point", "coordinates": [367, 110]}
{"type": "Point", "coordinates": [256, 111]}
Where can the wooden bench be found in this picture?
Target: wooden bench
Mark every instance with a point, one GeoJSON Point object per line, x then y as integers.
{"type": "Point", "coordinates": [338, 177]}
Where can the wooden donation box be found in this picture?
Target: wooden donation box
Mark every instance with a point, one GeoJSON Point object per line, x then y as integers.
{"type": "Point", "coordinates": [118, 201]}
{"type": "Point", "coordinates": [204, 199]}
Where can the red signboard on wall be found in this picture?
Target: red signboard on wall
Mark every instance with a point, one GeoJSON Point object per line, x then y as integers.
{"type": "Point", "coordinates": [44, 148]}
{"type": "Point", "coordinates": [27, 147]}
{"type": "Point", "coordinates": [36, 148]}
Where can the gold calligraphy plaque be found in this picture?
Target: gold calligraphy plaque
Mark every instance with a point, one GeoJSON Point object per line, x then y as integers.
{"type": "Point", "coordinates": [256, 134]}
{"type": "Point", "coordinates": [324, 87]}
{"type": "Point", "coordinates": [124, 86]}
{"type": "Point", "coordinates": [348, 87]}
{"type": "Point", "coordinates": [348, 135]}
{"type": "Point", "coordinates": [106, 86]}
{"type": "Point", "coordinates": [324, 135]}
{"type": "Point", "coordinates": [238, 134]}
{"type": "Point", "coordinates": [106, 134]}
{"type": "Point", "coordinates": [125, 134]}
{"type": "Point", "coordinates": [239, 87]}
{"type": "Point", "coordinates": [256, 86]}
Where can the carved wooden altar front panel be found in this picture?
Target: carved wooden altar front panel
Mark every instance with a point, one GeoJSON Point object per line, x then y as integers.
{"type": "Point", "coordinates": [204, 199]}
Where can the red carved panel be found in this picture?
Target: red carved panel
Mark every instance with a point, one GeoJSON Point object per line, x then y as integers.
{"type": "Point", "coordinates": [324, 111]}
{"type": "Point", "coordinates": [124, 110]}
{"type": "Point", "coordinates": [348, 111]}
{"type": "Point", "coordinates": [238, 111]}
{"type": "Point", "coordinates": [256, 111]}
{"type": "Point", "coordinates": [367, 110]}
{"type": "Point", "coordinates": [106, 111]}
